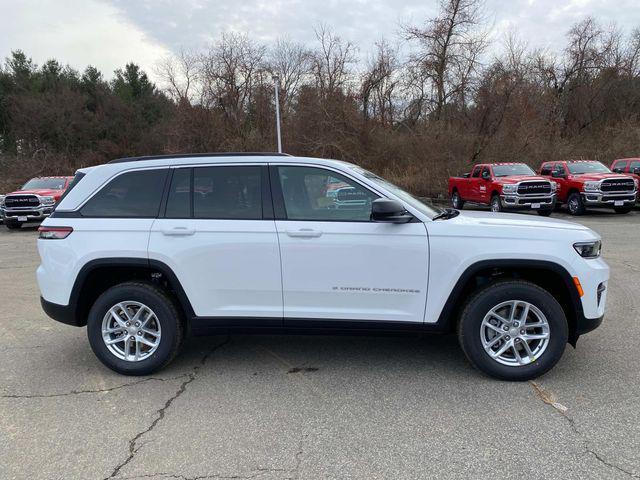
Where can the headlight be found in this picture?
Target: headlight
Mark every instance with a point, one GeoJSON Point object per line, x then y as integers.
{"type": "Point", "coordinates": [588, 249]}
{"type": "Point", "coordinates": [511, 188]}
{"type": "Point", "coordinates": [592, 186]}
{"type": "Point", "coordinates": [47, 200]}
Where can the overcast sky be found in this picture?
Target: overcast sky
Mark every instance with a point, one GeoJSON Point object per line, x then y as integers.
{"type": "Point", "coordinates": [110, 33]}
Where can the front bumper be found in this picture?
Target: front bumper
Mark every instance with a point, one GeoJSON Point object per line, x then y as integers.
{"type": "Point", "coordinates": [607, 199]}
{"type": "Point", "coordinates": [514, 201]}
{"type": "Point", "coordinates": [23, 215]}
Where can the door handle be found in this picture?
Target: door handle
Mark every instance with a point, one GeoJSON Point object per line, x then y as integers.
{"type": "Point", "coordinates": [178, 231]}
{"type": "Point", "coordinates": [304, 233]}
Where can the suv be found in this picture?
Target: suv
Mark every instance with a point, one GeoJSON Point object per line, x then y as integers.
{"type": "Point", "coordinates": [587, 183]}
{"type": "Point", "coordinates": [33, 202]}
{"type": "Point", "coordinates": [504, 186]}
{"type": "Point", "coordinates": [145, 250]}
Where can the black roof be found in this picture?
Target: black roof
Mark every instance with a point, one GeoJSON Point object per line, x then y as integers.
{"type": "Point", "coordinates": [192, 155]}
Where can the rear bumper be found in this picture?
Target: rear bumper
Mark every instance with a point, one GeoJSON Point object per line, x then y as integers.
{"type": "Point", "coordinates": [61, 313]}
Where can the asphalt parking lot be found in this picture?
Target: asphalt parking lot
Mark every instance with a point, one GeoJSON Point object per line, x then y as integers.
{"type": "Point", "coordinates": [316, 407]}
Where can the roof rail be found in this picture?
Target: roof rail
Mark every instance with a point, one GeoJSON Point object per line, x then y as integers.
{"type": "Point", "coordinates": [192, 155]}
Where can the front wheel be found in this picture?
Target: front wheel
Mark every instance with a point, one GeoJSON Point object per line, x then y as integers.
{"type": "Point", "coordinates": [456, 200]}
{"type": "Point", "coordinates": [623, 210]}
{"type": "Point", "coordinates": [496, 204]}
{"type": "Point", "coordinates": [575, 205]}
{"type": "Point", "coordinates": [135, 328]}
{"type": "Point", "coordinates": [513, 330]}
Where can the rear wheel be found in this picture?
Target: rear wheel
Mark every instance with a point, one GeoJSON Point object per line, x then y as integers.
{"type": "Point", "coordinates": [496, 204]}
{"type": "Point", "coordinates": [575, 205]}
{"type": "Point", "coordinates": [135, 328]}
{"type": "Point", "coordinates": [622, 210]}
{"type": "Point", "coordinates": [456, 200]}
{"type": "Point", "coordinates": [513, 330]}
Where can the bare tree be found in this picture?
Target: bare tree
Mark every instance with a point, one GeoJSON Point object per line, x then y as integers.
{"type": "Point", "coordinates": [448, 51]}
{"type": "Point", "coordinates": [291, 61]}
{"type": "Point", "coordinates": [179, 74]}
{"type": "Point", "coordinates": [330, 63]}
{"type": "Point", "coordinates": [379, 83]}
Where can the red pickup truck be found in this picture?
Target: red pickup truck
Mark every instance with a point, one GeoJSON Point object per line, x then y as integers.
{"type": "Point", "coordinates": [503, 186]}
{"type": "Point", "coordinates": [587, 183]}
{"type": "Point", "coordinates": [33, 202]}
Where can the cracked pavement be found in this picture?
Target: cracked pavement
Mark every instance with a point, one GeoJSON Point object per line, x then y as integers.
{"type": "Point", "coordinates": [292, 407]}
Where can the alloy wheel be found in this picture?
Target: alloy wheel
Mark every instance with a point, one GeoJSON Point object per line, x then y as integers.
{"type": "Point", "coordinates": [131, 331]}
{"type": "Point", "coordinates": [515, 333]}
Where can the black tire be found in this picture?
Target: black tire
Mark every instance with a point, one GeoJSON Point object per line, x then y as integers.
{"type": "Point", "coordinates": [470, 321]}
{"type": "Point", "coordinates": [622, 210]}
{"type": "Point", "coordinates": [496, 204]}
{"type": "Point", "coordinates": [13, 225]}
{"type": "Point", "coordinates": [456, 200]}
{"type": "Point", "coordinates": [575, 205]}
{"type": "Point", "coordinates": [167, 313]}
{"type": "Point", "coordinates": [545, 212]}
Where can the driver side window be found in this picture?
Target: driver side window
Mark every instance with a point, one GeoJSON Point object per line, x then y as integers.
{"type": "Point", "coordinates": [311, 193]}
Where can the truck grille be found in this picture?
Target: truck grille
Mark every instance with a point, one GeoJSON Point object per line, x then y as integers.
{"type": "Point", "coordinates": [534, 188]}
{"type": "Point", "coordinates": [21, 201]}
{"type": "Point", "coordinates": [618, 185]}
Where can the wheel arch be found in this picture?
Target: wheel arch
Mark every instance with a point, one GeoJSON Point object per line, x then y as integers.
{"type": "Point", "coordinates": [98, 275]}
{"type": "Point", "coordinates": [548, 275]}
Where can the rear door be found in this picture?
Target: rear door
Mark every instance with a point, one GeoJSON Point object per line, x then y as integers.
{"type": "Point", "coordinates": [338, 265]}
{"type": "Point", "coordinates": [218, 236]}
{"type": "Point", "coordinates": [473, 192]}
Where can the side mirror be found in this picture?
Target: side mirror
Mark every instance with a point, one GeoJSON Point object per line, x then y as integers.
{"type": "Point", "coordinates": [556, 174]}
{"type": "Point", "coordinates": [389, 211]}
{"type": "Point", "coordinates": [636, 171]}
{"type": "Point", "coordinates": [486, 176]}
{"type": "Point", "coordinates": [618, 170]}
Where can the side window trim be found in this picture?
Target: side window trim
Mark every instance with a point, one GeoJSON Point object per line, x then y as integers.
{"type": "Point", "coordinates": [280, 211]}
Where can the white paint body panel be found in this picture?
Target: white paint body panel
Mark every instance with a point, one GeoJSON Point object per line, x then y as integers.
{"type": "Point", "coordinates": [354, 270]}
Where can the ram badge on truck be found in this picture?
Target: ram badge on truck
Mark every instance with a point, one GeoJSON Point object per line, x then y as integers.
{"type": "Point", "coordinates": [503, 186]}
{"type": "Point", "coordinates": [144, 250]}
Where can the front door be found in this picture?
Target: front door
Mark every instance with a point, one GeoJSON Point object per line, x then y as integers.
{"type": "Point", "coordinates": [337, 264]}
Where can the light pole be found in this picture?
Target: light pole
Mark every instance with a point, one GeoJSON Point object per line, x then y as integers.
{"type": "Point", "coordinates": [276, 81]}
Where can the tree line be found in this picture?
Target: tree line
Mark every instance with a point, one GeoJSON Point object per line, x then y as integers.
{"type": "Point", "coordinates": [416, 110]}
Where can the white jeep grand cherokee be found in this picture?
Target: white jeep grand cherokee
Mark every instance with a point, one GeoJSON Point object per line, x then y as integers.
{"type": "Point", "coordinates": [145, 250]}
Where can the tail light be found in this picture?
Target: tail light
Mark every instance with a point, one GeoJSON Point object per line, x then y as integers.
{"type": "Point", "coordinates": [54, 233]}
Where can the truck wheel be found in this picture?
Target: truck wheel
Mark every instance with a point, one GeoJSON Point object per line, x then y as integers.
{"type": "Point", "coordinates": [513, 330]}
{"type": "Point", "coordinates": [575, 205]}
{"type": "Point", "coordinates": [622, 210]}
{"type": "Point", "coordinates": [456, 200]}
{"type": "Point", "coordinates": [496, 204]}
{"type": "Point", "coordinates": [12, 225]}
{"type": "Point", "coordinates": [135, 328]}
{"type": "Point", "coordinates": [545, 212]}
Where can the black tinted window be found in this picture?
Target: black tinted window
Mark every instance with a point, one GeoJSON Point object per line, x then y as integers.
{"type": "Point", "coordinates": [546, 169]}
{"type": "Point", "coordinates": [227, 193]}
{"type": "Point", "coordinates": [476, 172]}
{"type": "Point", "coordinates": [134, 194]}
{"type": "Point", "coordinates": [179, 199]}
{"type": "Point", "coordinates": [322, 195]}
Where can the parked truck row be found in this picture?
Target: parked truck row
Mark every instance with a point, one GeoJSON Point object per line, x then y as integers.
{"type": "Point", "coordinates": [578, 184]}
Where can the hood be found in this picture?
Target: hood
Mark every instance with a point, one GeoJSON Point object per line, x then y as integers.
{"type": "Point", "coordinates": [595, 177]}
{"type": "Point", "coordinates": [42, 192]}
{"type": "Point", "coordinates": [521, 178]}
{"type": "Point", "coordinates": [498, 220]}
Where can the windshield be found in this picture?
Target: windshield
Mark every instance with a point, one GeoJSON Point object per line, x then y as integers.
{"type": "Point", "coordinates": [44, 184]}
{"type": "Point", "coordinates": [420, 205]}
{"type": "Point", "coordinates": [515, 169]}
{"type": "Point", "coordinates": [578, 168]}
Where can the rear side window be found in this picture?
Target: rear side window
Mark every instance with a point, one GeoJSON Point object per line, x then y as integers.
{"type": "Point", "coordinates": [227, 193]}
{"type": "Point", "coordinates": [476, 172]}
{"type": "Point", "coordinates": [130, 195]}
{"type": "Point", "coordinates": [633, 165]}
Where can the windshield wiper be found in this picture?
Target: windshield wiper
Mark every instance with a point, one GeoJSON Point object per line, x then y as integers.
{"type": "Point", "coordinates": [446, 214]}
